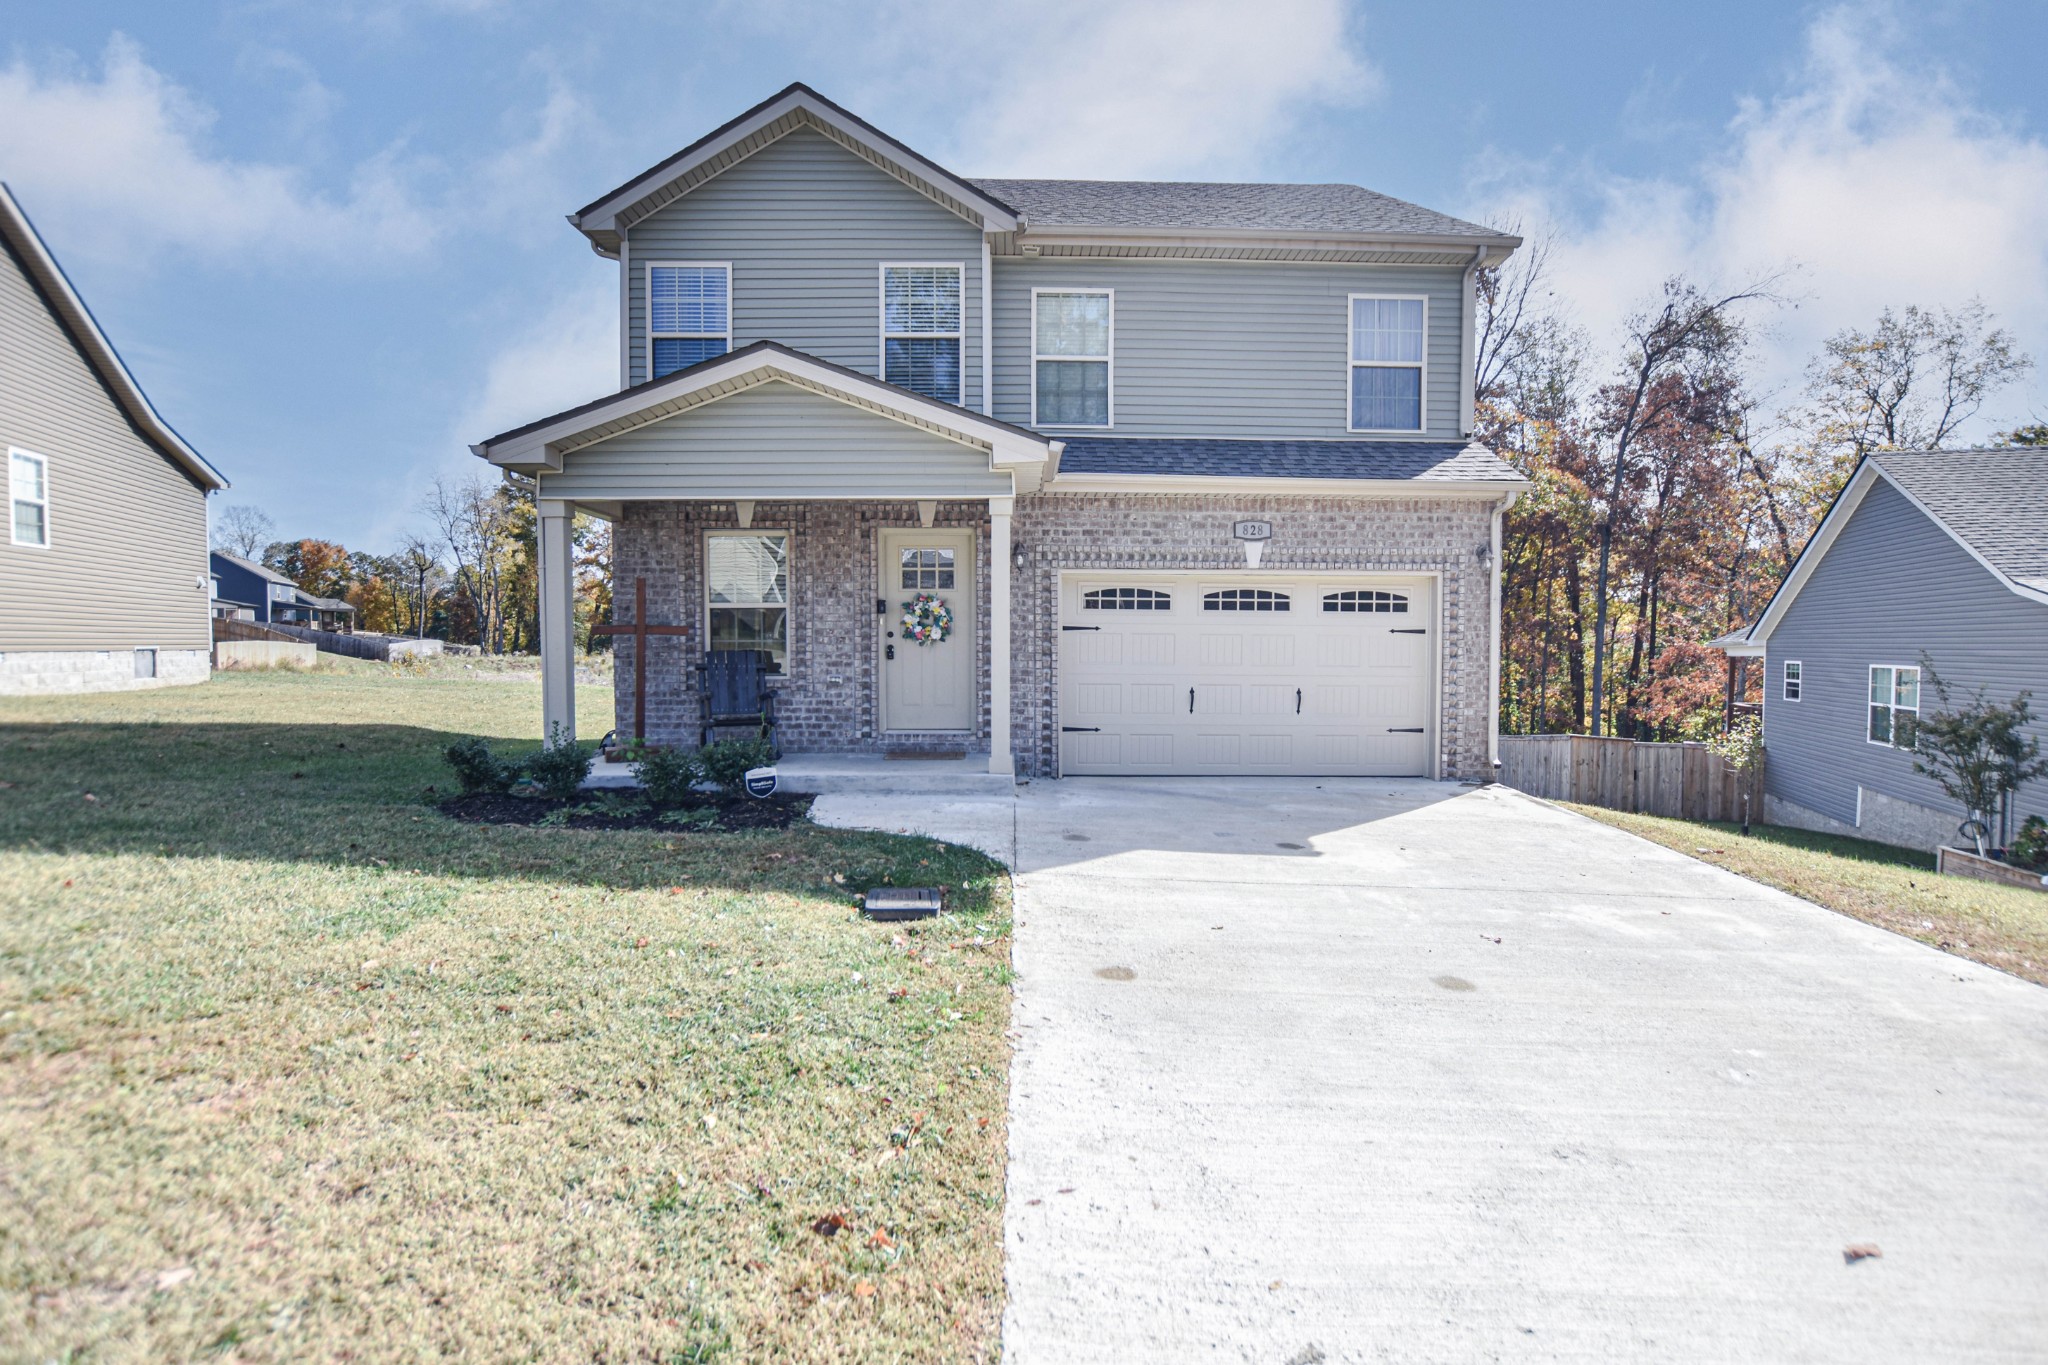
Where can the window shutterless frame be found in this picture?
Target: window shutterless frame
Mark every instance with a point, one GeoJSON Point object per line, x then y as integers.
{"type": "Point", "coordinates": [958, 335]}
{"type": "Point", "coordinates": [1107, 359]}
{"type": "Point", "coordinates": [1793, 677]}
{"type": "Point", "coordinates": [1894, 693]}
{"type": "Point", "coordinates": [28, 499]}
{"type": "Point", "coordinates": [1352, 364]}
{"type": "Point", "coordinates": [788, 606]}
{"type": "Point", "coordinates": [647, 301]}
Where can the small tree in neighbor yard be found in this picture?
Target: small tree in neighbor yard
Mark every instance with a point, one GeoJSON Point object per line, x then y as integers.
{"type": "Point", "coordinates": [1978, 752]}
{"type": "Point", "coordinates": [1742, 748]}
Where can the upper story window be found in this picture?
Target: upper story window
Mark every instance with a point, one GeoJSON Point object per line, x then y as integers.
{"type": "Point", "coordinates": [1071, 357]}
{"type": "Point", "coordinates": [1793, 672]}
{"type": "Point", "coordinates": [1894, 705]}
{"type": "Point", "coordinates": [28, 489]}
{"type": "Point", "coordinates": [689, 315]}
{"type": "Point", "coordinates": [283, 592]}
{"type": "Point", "coordinates": [922, 329]}
{"type": "Point", "coordinates": [1387, 362]}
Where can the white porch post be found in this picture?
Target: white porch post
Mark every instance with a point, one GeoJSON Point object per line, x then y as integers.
{"type": "Point", "coordinates": [557, 619]}
{"type": "Point", "coordinates": [999, 760]}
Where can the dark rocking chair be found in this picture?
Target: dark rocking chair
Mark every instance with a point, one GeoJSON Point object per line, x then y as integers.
{"type": "Point", "coordinates": [735, 691]}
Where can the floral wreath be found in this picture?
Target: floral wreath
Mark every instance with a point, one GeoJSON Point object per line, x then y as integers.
{"type": "Point", "coordinates": [926, 619]}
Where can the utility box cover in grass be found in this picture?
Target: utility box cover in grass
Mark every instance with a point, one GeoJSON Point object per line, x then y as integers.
{"type": "Point", "coordinates": [901, 902]}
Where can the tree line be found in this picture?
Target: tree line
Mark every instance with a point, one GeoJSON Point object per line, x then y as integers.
{"type": "Point", "coordinates": [471, 578]}
{"type": "Point", "coordinates": [1669, 493]}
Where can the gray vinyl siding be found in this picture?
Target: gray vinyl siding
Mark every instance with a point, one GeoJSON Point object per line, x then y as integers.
{"type": "Point", "coordinates": [775, 441]}
{"type": "Point", "coordinates": [1229, 348]}
{"type": "Point", "coordinates": [127, 526]}
{"type": "Point", "coordinates": [1892, 586]}
{"type": "Point", "coordinates": [807, 226]}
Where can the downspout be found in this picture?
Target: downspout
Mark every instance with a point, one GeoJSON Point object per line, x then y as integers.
{"type": "Point", "coordinates": [1467, 345]}
{"type": "Point", "coordinates": [1493, 732]}
{"type": "Point", "coordinates": [625, 314]}
{"type": "Point", "coordinates": [988, 363]}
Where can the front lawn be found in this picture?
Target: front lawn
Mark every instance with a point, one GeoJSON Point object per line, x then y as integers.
{"type": "Point", "coordinates": [1894, 888]}
{"type": "Point", "coordinates": [294, 1067]}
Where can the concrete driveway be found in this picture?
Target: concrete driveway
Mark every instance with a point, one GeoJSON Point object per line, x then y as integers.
{"type": "Point", "coordinates": [1357, 1070]}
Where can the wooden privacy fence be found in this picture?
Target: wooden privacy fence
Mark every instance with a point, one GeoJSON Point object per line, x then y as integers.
{"type": "Point", "coordinates": [1688, 781]}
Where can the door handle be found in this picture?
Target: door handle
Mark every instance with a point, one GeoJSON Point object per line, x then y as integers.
{"type": "Point", "coordinates": [1297, 701]}
{"type": "Point", "coordinates": [1404, 729]}
{"type": "Point", "coordinates": [1191, 701]}
{"type": "Point", "coordinates": [889, 651]}
{"type": "Point", "coordinates": [1407, 630]}
{"type": "Point", "coordinates": [1080, 729]}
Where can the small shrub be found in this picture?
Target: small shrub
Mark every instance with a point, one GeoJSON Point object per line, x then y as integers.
{"type": "Point", "coordinates": [561, 765]}
{"type": "Point", "coordinates": [725, 763]}
{"type": "Point", "coordinates": [669, 775]}
{"type": "Point", "coordinates": [2030, 844]}
{"type": "Point", "coordinates": [478, 769]}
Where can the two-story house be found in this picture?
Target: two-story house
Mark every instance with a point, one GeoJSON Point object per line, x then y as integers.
{"type": "Point", "coordinates": [1188, 466]}
{"type": "Point", "coordinates": [260, 593]}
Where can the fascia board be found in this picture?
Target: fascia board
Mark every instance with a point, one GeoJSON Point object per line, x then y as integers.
{"type": "Point", "coordinates": [1504, 244]}
{"type": "Point", "coordinates": [1281, 487]}
{"type": "Point", "coordinates": [1846, 503]}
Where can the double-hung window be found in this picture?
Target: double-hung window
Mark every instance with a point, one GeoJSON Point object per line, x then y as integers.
{"type": "Point", "coordinates": [1793, 678]}
{"type": "Point", "coordinates": [922, 329]}
{"type": "Point", "coordinates": [1387, 362]}
{"type": "Point", "coordinates": [746, 589]}
{"type": "Point", "coordinates": [28, 492]}
{"type": "Point", "coordinates": [1894, 705]}
{"type": "Point", "coordinates": [689, 314]}
{"type": "Point", "coordinates": [1071, 357]}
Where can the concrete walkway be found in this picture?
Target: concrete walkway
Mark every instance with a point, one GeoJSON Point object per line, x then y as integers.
{"type": "Point", "coordinates": [1389, 1071]}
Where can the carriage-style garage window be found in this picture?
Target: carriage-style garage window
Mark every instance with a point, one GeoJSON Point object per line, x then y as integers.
{"type": "Point", "coordinates": [1387, 362]}
{"type": "Point", "coordinates": [922, 329]}
{"type": "Point", "coordinates": [746, 589]}
{"type": "Point", "coordinates": [1125, 599]}
{"type": "Point", "coordinates": [689, 314]}
{"type": "Point", "coordinates": [1245, 599]}
{"type": "Point", "coordinates": [1361, 599]}
{"type": "Point", "coordinates": [1894, 705]}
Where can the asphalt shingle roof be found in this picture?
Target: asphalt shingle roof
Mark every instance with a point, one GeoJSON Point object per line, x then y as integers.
{"type": "Point", "coordinates": [1995, 501]}
{"type": "Point", "coordinates": [1243, 207]}
{"type": "Point", "coordinates": [1437, 461]}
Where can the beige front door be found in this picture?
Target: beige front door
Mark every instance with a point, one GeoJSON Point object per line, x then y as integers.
{"type": "Point", "coordinates": [928, 686]}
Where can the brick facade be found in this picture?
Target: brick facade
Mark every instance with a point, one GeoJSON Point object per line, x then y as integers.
{"type": "Point", "coordinates": [828, 703]}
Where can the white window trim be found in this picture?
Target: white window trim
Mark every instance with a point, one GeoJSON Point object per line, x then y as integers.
{"type": "Point", "coordinates": [1422, 406]}
{"type": "Point", "coordinates": [1108, 359]}
{"type": "Point", "coordinates": [1786, 682]}
{"type": "Point", "coordinates": [1913, 710]}
{"type": "Point", "coordinates": [789, 608]}
{"type": "Point", "coordinates": [647, 305]}
{"type": "Point", "coordinates": [13, 496]}
{"type": "Point", "coordinates": [883, 333]}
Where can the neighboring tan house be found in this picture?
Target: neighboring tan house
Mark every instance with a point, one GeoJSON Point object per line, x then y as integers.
{"type": "Point", "coordinates": [103, 572]}
{"type": "Point", "coordinates": [270, 598]}
{"type": "Point", "coordinates": [1189, 465]}
{"type": "Point", "coordinates": [1926, 557]}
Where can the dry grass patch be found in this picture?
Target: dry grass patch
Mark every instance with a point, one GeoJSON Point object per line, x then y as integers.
{"type": "Point", "coordinates": [1894, 888]}
{"type": "Point", "coordinates": [293, 1067]}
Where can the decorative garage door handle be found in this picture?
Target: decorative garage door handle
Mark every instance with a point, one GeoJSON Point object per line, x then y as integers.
{"type": "Point", "coordinates": [1080, 627]}
{"type": "Point", "coordinates": [1081, 729]}
{"type": "Point", "coordinates": [1408, 630]}
{"type": "Point", "coordinates": [1191, 701]}
{"type": "Point", "coordinates": [1297, 701]}
{"type": "Point", "coordinates": [1404, 729]}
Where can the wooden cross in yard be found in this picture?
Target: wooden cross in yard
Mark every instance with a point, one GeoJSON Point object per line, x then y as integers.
{"type": "Point", "coordinates": [639, 630]}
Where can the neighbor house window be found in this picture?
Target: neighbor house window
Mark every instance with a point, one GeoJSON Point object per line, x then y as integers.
{"type": "Point", "coordinates": [746, 588]}
{"type": "Point", "coordinates": [922, 330]}
{"type": "Point", "coordinates": [1386, 363]}
{"type": "Point", "coordinates": [1071, 357]}
{"type": "Point", "coordinates": [1894, 705]}
{"type": "Point", "coordinates": [689, 315]}
{"type": "Point", "coordinates": [28, 488]}
{"type": "Point", "coordinates": [1792, 680]}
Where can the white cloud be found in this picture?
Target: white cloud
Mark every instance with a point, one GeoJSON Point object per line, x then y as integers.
{"type": "Point", "coordinates": [119, 160]}
{"type": "Point", "coordinates": [568, 354]}
{"type": "Point", "coordinates": [1127, 88]}
{"type": "Point", "coordinates": [1877, 178]}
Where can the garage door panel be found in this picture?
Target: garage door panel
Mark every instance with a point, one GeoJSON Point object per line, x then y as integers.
{"type": "Point", "coordinates": [1269, 651]}
{"type": "Point", "coordinates": [1100, 699]}
{"type": "Point", "coordinates": [1152, 648]}
{"type": "Point", "coordinates": [1097, 647]}
{"type": "Point", "coordinates": [1266, 699]}
{"type": "Point", "coordinates": [1219, 751]}
{"type": "Point", "coordinates": [1220, 649]}
{"type": "Point", "coordinates": [1151, 699]}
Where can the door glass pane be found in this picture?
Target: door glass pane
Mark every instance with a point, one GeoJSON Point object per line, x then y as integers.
{"type": "Point", "coordinates": [927, 570]}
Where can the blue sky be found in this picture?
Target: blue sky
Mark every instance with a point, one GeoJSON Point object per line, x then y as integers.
{"type": "Point", "coordinates": [329, 236]}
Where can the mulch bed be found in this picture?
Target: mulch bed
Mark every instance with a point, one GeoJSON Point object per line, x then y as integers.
{"type": "Point", "coordinates": [492, 808]}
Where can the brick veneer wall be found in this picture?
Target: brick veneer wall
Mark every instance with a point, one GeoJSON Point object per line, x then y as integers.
{"type": "Point", "coordinates": [1063, 531]}
{"type": "Point", "coordinates": [827, 703]}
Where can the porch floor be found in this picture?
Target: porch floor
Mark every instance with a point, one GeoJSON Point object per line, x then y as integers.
{"type": "Point", "coordinates": [819, 774]}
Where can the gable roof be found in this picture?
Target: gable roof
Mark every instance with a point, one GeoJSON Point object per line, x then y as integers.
{"type": "Point", "coordinates": [1337, 210]}
{"type": "Point", "coordinates": [78, 322]}
{"type": "Point", "coordinates": [1421, 461]}
{"type": "Point", "coordinates": [538, 446]}
{"type": "Point", "coordinates": [795, 106]}
{"type": "Point", "coordinates": [262, 571]}
{"type": "Point", "coordinates": [1993, 503]}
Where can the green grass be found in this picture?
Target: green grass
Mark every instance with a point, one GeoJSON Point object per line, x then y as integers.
{"type": "Point", "coordinates": [1894, 888]}
{"type": "Point", "coordinates": [292, 1067]}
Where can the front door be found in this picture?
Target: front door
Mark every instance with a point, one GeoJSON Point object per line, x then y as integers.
{"type": "Point", "coordinates": [929, 685]}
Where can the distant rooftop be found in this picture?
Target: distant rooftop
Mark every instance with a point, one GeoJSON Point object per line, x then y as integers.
{"type": "Point", "coordinates": [1222, 206]}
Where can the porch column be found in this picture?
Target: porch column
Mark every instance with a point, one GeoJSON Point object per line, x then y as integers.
{"type": "Point", "coordinates": [557, 619]}
{"type": "Point", "coordinates": [999, 760]}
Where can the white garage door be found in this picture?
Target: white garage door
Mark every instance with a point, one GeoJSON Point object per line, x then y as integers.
{"type": "Point", "coordinates": [1246, 674]}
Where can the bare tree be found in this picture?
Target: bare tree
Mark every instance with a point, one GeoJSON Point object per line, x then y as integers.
{"type": "Point", "coordinates": [419, 571]}
{"type": "Point", "coordinates": [242, 530]}
{"type": "Point", "coordinates": [476, 522]}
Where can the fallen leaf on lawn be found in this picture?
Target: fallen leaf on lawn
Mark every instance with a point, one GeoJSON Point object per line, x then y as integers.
{"type": "Point", "coordinates": [504, 1009]}
{"type": "Point", "coordinates": [863, 1290]}
{"type": "Point", "coordinates": [381, 862]}
{"type": "Point", "coordinates": [90, 797]}
{"type": "Point", "coordinates": [172, 1278]}
{"type": "Point", "coordinates": [639, 943]}
{"type": "Point", "coordinates": [880, 1240]}
{"type": "Point", "coordinates": [754, 1265]}
{"type": "Point", "coordinates": [982, 1122]}
{"type": "Point", "coordinates": [829, 1225]}
{"type": "Point", "coordinates": [67, 881]}
{"type": "Point", "coordinates": [1861, 1251]}
{"type": "Point", "coordinates": [899, 993]}
{"type": "Point", "coordinates": [673, 1014]}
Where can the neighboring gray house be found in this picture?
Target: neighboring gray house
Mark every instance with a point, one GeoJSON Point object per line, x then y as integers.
{"type": "Point", "coordinates": [1939, 556]}
{"type": "Point", "coordinates": [103, 571]}
{"type": "Point", "coordinates": [1189, 465]}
